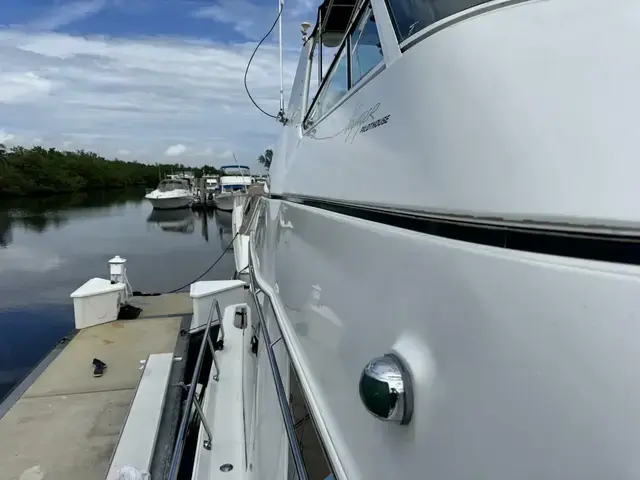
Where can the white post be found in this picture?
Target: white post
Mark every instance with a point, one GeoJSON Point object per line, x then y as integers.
{"type": "Point", "coordinates": [118, 274]}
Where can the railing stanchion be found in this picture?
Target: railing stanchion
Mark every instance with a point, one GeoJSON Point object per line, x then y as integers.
{"type": "Point", "coordinates": [216, 377]}
{"type": "Point", "coordinates": [220, 318]}
{"type": "Point", "coordinates": [207, 443]}
{"type": "Point", "coordinates": [287, 417]}
{"type": "Point", "coordinates": [178, 448]}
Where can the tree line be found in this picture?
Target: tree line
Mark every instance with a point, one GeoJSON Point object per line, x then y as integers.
{"type": "Point", "coordinates": [41, 171]}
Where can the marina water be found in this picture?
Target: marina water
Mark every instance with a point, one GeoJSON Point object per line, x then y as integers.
{"type": "Point", "coordinates": [49, 246]}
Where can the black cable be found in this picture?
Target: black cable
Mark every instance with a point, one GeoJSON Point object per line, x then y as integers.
{"type": "Point", "coordinates": [246, 71]}
{"type": "Point", "coordinates": [208, 269]}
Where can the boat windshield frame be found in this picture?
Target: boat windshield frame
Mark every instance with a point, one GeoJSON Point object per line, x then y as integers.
{"type": "Point", "coordinates": [235, 170]}
{"type": "Point", "coordinates": [170, 184]}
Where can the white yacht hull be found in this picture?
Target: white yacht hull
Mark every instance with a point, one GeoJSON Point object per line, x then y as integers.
{"type": "Point", "coordinates": [168, 203]}
{"type": "Point", "coordinates": [498, 341]}
{"type": "Point", "coordinates": [521, 360]}
{"type": "Point", "coordinates": [225, 201]}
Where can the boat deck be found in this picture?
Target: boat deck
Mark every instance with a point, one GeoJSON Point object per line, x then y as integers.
{"type": "Point", "coordinates": [62, 423]}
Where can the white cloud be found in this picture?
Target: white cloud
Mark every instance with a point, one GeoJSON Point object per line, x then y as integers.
{"type": "Point", "coordinates": [175, 150]}
{"type": "Point", "coordinates": [67, 13]}
{"type": "Point", "coordinates": [124, 152]}
{"type": "Point", "coordinates": [253, 21]}
{"type": "Point", "coordinates": [6, 136]}
{"type": "Point", "coordinates": [18, 87]}
{"type": "Point", "coordinates": [143, 94]}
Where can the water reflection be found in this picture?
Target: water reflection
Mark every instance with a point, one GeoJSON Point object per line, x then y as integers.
{"type": "Point", "coordinates": [42, 213]}
{"type": "Point", "coordinates": [181, 220]}
{"type": "Point", "coordinates": [51, 246]}
{"type": "Point", "coordinates": [225, 229]}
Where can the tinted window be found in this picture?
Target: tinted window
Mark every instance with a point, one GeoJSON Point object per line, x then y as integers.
{"type": "Point", "coordinates": [366, 51]}
{"type": "Point", "coordinates": [411, 16]}
{"type": "Point", "coordinates": [334, 88]}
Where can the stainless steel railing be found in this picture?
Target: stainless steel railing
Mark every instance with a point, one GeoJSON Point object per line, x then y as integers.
{"type": "Point", "coordinates": [283, 402]}
{"type": "Point", "coordinates": [287, 416]}
{"type": "Point", "coordinates": [191, 391]}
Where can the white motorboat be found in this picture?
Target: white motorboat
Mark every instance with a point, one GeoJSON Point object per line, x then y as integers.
{"type": "Point", "coordinates": [211, 184]}
{"type": "Point", "coordinates": [171, 193]}
{"type": "Point", "coordinates": [234, 180]}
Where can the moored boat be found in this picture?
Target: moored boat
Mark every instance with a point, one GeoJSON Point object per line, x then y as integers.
{"type": "Point", "coordinates": [171, 193]}
{"type": "Point", "coordinates": [234, 180]}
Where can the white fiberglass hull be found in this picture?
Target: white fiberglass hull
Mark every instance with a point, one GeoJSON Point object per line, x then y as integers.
{"type": "Point", "coordinates": [167, 203]}
{"type": "Point", "coordinates": [224, 201]}
{"type": "Point", "coordinates": [524, 345]}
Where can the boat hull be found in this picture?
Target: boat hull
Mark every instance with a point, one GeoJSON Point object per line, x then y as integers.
{"type": "Point", "coordinates": [170, 203]}
{"type": "Point", "coordinates": [498, 340]}
{"type": "Point", "coordinates": [225, 201]}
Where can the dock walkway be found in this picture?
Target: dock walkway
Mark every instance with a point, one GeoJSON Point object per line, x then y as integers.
{"type": "Point", "coordinates": [65, 425]}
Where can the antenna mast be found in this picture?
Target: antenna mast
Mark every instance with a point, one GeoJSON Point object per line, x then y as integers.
{"type": "Point", "coordinates": [281, 117]}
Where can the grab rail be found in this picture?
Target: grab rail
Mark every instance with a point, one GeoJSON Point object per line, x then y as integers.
{"type": "Point", "coordinates": [287, 417]}
{"type": "Point", "coordinates": [191, 398]}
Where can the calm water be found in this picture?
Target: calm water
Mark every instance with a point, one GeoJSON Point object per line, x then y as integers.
{"type": "Point", "coordinates": [51, 246]}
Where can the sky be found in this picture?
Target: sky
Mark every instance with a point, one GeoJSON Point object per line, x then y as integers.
{"type": "Point", "coordinates": [145, 80]}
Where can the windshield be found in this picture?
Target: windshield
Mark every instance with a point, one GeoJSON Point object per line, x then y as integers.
{"type": "Point", "coordinates": [239, 171]}
{"type": "Point", "coordinates": [168, 185]}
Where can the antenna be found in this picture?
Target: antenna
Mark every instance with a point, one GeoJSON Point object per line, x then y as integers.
{"type": "Point", "coordinates": [281, 112]}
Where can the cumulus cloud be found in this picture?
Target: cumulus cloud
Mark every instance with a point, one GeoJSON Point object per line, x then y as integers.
{"type": "Point", "coordinates": [114, 93]}
{"type": "Point", "coordinates": [142, 94]}
{"type": "Point", "coordinates": [18, 87]}
{"type": "Point", "coordinates": [175, 150]}
{"type": "Point", "coordinates": [6, 136]}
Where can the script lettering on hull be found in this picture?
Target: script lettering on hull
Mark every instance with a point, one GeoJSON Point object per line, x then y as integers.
{"type": "Point", "coordinates": [361, 122]}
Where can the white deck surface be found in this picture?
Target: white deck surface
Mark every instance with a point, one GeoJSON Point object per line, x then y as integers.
{"type": "Point", "coordinates": [223, 409]}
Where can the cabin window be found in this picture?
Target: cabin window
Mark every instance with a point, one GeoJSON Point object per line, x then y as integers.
{"type": "Point", "coordinates": [366, 50]}
{"type": "Point", "coordinates": [411, 16]}
{"type": "Point", "coordinates": [333, 89]}
{"type": "Point", "coordinates": [357, 52]}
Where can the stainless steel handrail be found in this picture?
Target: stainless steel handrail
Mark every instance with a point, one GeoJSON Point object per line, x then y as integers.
{"type": "Point", "coordinates": [287, 417]}
{"type": "Point", "coordinates": [191, 399]}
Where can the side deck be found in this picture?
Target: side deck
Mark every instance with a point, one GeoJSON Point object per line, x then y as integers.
{"type": "Point", "coordinates": [66, 423]}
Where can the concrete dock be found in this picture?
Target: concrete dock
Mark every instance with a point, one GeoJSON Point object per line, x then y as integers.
{"type": "Point", "coordinates": [66, 423]}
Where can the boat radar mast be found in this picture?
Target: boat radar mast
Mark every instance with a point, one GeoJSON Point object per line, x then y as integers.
{"type": "Point", "coordinates": [304, 26]}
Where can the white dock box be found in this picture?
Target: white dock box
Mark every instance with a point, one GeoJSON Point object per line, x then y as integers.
{"type": "Point", "coordinates": [227, 292]}
{"type": "Point", "coordinates": [96, 302]}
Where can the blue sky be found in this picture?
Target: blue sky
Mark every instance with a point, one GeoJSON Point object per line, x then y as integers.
{"type": "Point", "coordinates": [151, 80]}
